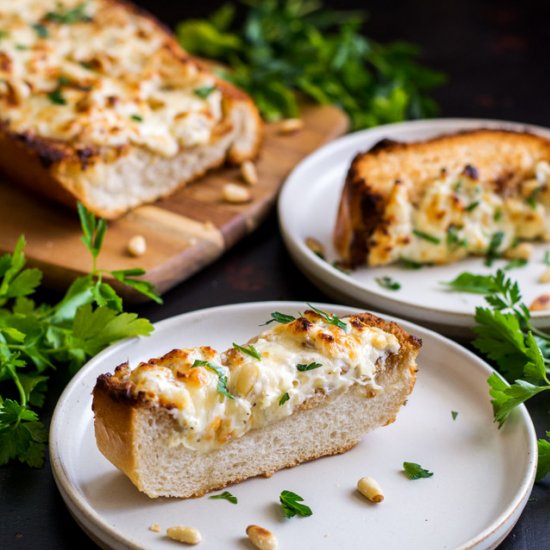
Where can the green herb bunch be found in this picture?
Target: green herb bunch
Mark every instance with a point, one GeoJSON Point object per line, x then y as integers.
{"type": "Point", "coordinates": [36, 339]}
{"type": "Point", "coordinates": [519, 350]}
{"type": "Point", "coordinates": [289, 46]}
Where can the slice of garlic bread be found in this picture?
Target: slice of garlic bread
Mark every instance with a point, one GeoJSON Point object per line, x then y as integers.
{"type": "Point", "coordinates": [441, 200]}
{"type": "Point", "coordinates": [98, 103]}
{"type": "Point", "coordinates": [196, 420]}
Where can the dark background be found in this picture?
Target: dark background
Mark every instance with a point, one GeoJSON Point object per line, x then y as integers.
{"type": "Point", "coordinates": [496, 55]}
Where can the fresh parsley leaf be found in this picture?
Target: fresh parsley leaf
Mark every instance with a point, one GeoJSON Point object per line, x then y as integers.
{"type": "Point", "coordinates": [453, 239]}
{"type": "Point", "coordinates": [291, 505]}
{"type": "Point", "coordinates": [4, 34]}
{"type": "Point", "coordinates": [330, 319]}
{"type": "Point", "coordinates": [515, 264]}
{"type": "Point", "coordinates": [136, 118]}
{"type": "Point", "coordinates": [222, 377]}
{"type": "Point", "coordinates": [497, 216]}
{"type": "Point", "coordinates": [310, 366]}
{"type": "Point", "coordinates": [454, 414]}
{"type": "Point", "coordinates": [415, 471]}
{"type": "Point", "coordinates": [41, 30]}
{"type": "Point", "coordinates": [388, 283]}
{"type": "Point", "coordinates": [276, 50]}
{"type": "Point", "coordinates": [531, 200]}
{"type": "Point", "coordinates": [493, 252]}
{"type": "Point", "coordinates": [56, 97]}
{"type": "Point", "coordinates": [284, 398]}
{"type": "Point", "coordinates": [472, 283]}
{"type": "Point", "coordinates": [204, 91]}
{"type": "Point", "coordinates": [472, 206]}
{"type": "Point", "coordinates": [226, 495]}
{"type": "Point", "coordinates": [248, 350]}
{"type": "Point", "coordinates": [126, 276]}
{"type": "Point", "coordinates": [410, 264]}
{"type": "Point", "coordinates": [426, 236]}
{"type": "Point", "coordinates": [543, 465]}
{"type": "Point", "coordinates": [278, 317]}
{"type": "Point", "coordinates": [69, 16]}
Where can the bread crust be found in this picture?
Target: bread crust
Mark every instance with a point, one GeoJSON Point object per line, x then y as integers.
{"type": "Point", "coordinates": [66, 172]}
{"type": "Point", "coordinates": [503, 157]}
{"type": "Point", "coordinates": [120, 415]}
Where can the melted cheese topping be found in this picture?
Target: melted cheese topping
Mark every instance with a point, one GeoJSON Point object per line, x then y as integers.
{"type": "Point", "coordinates": [457, 216]}
{"type": "Point", "coordinates": [265, 390]}
{"type": "Point", "coordinates": [95, 73]}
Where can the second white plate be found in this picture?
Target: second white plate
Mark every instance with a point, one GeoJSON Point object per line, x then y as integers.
{"type": "Point", "coordinates": [307, 208]}
{"type": "Point", "coordinates": [482, 476]}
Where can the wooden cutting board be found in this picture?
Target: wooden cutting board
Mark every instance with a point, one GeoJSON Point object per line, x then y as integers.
{"type": "Point", "coordinates": [184, 232]}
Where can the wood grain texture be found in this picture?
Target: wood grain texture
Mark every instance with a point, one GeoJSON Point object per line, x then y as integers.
{"type": "Point", "coordinates": [184, 232]}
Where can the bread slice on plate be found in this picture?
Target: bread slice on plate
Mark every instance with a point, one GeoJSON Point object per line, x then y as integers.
{"type": "Point", "coordinates": [440, 200]}
{"type": "Point", "coordinates": [99, 103]}
{"type": "Point", "coordinates": [196, 420]}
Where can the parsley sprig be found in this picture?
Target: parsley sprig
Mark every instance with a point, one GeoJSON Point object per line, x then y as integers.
{"type": "Point", "coordinates": [520, 352]}
{"type": "Point", "coordinates": [291, 505]}
{"type": "Point", "coordinates": [248, 350]}
{"type": "Point", "coordinates": [37, 338]}
{"type": "Point", "coordinates": [415, 471]}
{"type": "Point", "coordinates": [221, 388]}
{"type": "Point", "coordinates": [330, 318]}
{"type": "Point", "coordinates": [69, 16]}
{"type": "Point", "coordinates": [284, 47]}
{"type": "Point", "coordinates": [226, 495]}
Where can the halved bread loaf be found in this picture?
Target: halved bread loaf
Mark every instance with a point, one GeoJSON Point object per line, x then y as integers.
{"type": "Point", "coordinates": [99, 103]}
{"type": "Point", "coordinates": [316, 388]}
{"type": "Point", "coordinates": [440, 200]}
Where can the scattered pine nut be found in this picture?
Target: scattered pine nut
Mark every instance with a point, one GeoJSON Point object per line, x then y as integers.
{"type": "Point", "coordinates": [137, 246]}
{"type": "Point", "coordinates": [155, 527]}
{"type": "Point", "coordinates": [261, 538]}
{"type": "Point", "coordinates": [370, 489]}
{"type": "Point", "coordinates": [187, 535]}
{"type": "Point", "coordinates": [249, 173]}
{"type": "Point", "coordinates": [522, 251]}
{"type": "Point", "coordinates": [236, 193]}
{"type": "Point", "coordinates": [545, 277]}
{"type": "Point", "coordinates": [291, 126]}
{"type": "Point", "coordinates": [316, 247]}
{"type": "Point", "coordinates": [540, 303]}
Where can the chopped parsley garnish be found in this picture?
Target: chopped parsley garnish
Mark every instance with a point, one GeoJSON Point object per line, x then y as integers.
{"type": "Point", "coordinates": [226, 495]}
{"type": "Point", "coordinates": [472, 206]}
{"type": "Point", "coordinates": [340, 267]}
{"type": "Point", "coordinates": [531, 200]}
{"type": "Point", "coordinates": [546, 258]}
{"type": "Point", "coordinates": [41, 30]}
{"type": "Point", "coordinates": [290, 504]}
{"type": "Point", "coordinates": [330, 319]}
{"type": "Point", "coordinates": [278, 317]}
{"type": "Point", "coordinates": [457, 186]}
{"type": "Point", "coordinates": [415, 471]}
{"type": "Point", "coordinates": [21, 47]}
{"type": "Point", "coordinates": [57, 98]}
{"type": "Point", "coordinates": [249, 350]}
{"type": "Point", "coordinates": [497, 216]}
{"type": "Point", "coordinates": [492, 251]}
{"type": "Point", "coordinates": [454, 414]}
{"type": "Point", "coordinates": [69, 16]}
{"type": "Point", "coordinates": [137, 118]}
{"type": "Point", "coordinates": [284, 398]}
{"type": "Point", "coordinates": [310, 366]}
{"type": "Point", "coordinates": [4, 34]}
{"type": "Point", "coordinates": [222, 378]}
{"type": "Point", "coordinates": [410, 264]}
{"type": "Point", "coordinates": [453, 240]}
{"type": "Point", "coordinates": [426, 236]}
{"type": "Point", "coordinates": [515, 263]}
{"type": "Point", "coordinates": [388, 283]}
{"type": "Point", "coordinates": [204, 91]}
{"type": "Point", "coordinates": [472, 283]}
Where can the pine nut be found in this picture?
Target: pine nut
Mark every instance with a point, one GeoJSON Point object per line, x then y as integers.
{"type": "Point", "coordinates": [248, 172]}
{"type": "Point", "coordinates": [540, 303]}
{"type": "Point", "coordinates": [291, 126]}
{"type": "Point", "coordinates": [137, 246]}
{"type": "Point", "coordinates": [545, 277]}
{"type": "Point", "coordinates": [187, 535]}
{"type": "Point", "coordinates": [370, 489]}
{"type": "Point", "coordinates": [522, 251]}
{"type": "Point", "coordinates": [261, 538]}
{"type": "Point", "coordinates": [155, 527]}
{"type": "Point", "coordinates": [236, 193]}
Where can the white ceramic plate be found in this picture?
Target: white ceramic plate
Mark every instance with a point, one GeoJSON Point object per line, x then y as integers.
{"type": "Point", "coordinates": [307, 208]}
{"type": "Point", "coordinates": [482, 476]}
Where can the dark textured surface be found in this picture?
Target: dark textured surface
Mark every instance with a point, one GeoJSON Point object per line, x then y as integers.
{"type": "Point", "coordinates": [496, 54]}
